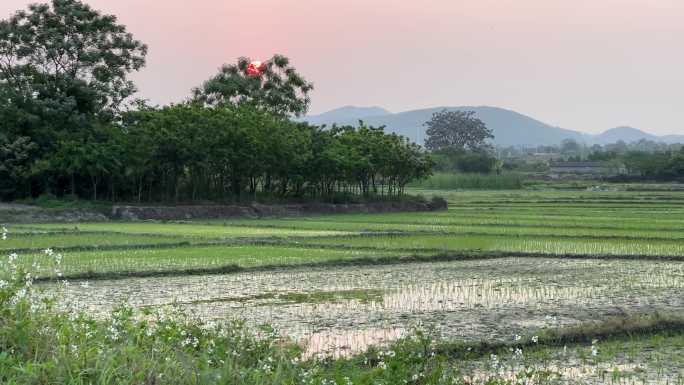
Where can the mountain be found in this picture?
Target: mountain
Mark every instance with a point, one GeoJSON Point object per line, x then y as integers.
{"type": "Point", "coordinates": [626, 134]}
{"type": "Point", "coordinates": [510, 128]}
{"type": "Point", "coordinates": [347, 114]}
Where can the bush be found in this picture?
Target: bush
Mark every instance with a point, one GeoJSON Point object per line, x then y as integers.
{"type": "Point", "coordinates": [450, 160]}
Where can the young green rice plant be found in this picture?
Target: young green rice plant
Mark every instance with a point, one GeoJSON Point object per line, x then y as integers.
{"type": "Point", "coordinates": [512, 244]}
{"type": "Point", "coordinates": [82, 240]}
{"type": "Point", "coordinates": [189, 230]}
{"type": "Point", "coordinates": [195, 260]}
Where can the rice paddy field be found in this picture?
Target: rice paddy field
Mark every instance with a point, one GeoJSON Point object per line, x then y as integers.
{"type": "Point", "coordinates": [490, 279]}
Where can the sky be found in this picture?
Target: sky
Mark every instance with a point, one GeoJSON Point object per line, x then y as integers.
{"type": "Point", "coordinates": [587, 65]}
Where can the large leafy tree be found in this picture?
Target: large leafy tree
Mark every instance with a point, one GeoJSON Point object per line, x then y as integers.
{"type": "Point", "coordinates": [68, 53]}
{"type": "Point", "coordinates": [279, 89]}
{"type": "Point", "coordinates": [63, 75]}
{"type": "Point", "coordinates": [15, 156]}
{"type": "Point", "coordinates": [457, 130]}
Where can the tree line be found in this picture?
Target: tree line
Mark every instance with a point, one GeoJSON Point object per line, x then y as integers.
{"type": "Point", "coordinates": [70, 127]}
{"type": "Point", "coordinates": [642, 159]}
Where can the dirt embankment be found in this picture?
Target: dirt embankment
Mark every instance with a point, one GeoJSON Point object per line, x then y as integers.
{"type": "Point", "coordinates": [17, 213]}
{"type": "Point", "coordinates": [256, 210]}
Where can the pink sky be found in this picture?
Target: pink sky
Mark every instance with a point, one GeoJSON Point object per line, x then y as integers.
{"type": "Point", "coordinates": [580, 64]}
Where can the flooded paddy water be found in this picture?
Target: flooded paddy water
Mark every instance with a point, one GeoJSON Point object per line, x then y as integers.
{"type": "Point", "coordinates": [346, 309]}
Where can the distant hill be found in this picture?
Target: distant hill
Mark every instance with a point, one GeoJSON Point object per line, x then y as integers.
{"type": "Point", "coordinates": [346, 114]}
{"type": "Point", "coordinates": [626, 134]}
{"type": "Point", "coordinates": [510, 128]}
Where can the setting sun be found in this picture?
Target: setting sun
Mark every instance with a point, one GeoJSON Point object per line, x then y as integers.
{"type": "Point", "coordinates": [255, 68]}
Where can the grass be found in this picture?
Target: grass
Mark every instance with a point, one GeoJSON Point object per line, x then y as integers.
{"type": "Point", "coordinates": [456, 181]}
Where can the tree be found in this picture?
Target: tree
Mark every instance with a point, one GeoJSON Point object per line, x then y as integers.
{"type": "Point", "coordinates": [459, 130]}
{"type": "Point", "coordinates": [63, 74]}
{"type": "Point", "coordinates": [645, 164]}
{"type": "Point", "coordinates": [279, 90]}
{"type": "Point", "coordinates": [69, 51]}
{"type": "Point", "coordinates": [570, 147]}
{"type": "Point", "coordinates": [15, 165]}
{"type": "Point", "coordinates": [676, 166]}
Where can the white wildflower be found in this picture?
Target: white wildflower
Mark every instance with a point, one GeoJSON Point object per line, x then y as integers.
{"type": "Point", "coordinates": [594, 350]}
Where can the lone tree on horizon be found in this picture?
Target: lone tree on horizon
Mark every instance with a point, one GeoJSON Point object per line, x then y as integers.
{"type": "Point", "coordinates": [457, 130]}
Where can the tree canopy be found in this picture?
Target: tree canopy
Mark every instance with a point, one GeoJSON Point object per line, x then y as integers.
{"type": "Point", "coordinates": [63, 80]}
{"type": "Point", "coordinates": [280, 89]}
{"type": "Point", "coordinates": [70, 54]}
{"type": "Point", "coordinates": [65, 128]}
{"type": "Point", "coordinates": [458, 130]}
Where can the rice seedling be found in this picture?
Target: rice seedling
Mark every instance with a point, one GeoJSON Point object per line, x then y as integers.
{"type": "Point", "coordinates": [84, 240]}
{"type": "Point", "coordinates": [464, 299]}
{"type": "Point", "coordinates": [187, 230]}
{"type": "Point", "coordinates": [183, 260]}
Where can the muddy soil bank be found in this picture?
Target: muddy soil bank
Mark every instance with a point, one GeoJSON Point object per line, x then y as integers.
{"type": "Point", "coordinates": [20, 213]}
{"type": "Point", "coordinates": [256, 210]}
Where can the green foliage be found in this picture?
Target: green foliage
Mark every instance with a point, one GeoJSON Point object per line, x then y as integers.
{"type": "Point", "coordinates": [676, 165]}
{"type": "Point", "coordinates": [63, 79]}
{"type": "Point", "coordinates": [456, 130]}
{"type": "Point", "coordinates": [452, 160]}
{"type": "Point", "coordinates": [646, 164]}
{"type": "Point", "coordinates": [280, 90]}
{"type": "Point", "coordinates": [71, 53]}
{"type": "Point", "coordinates": [192, 152]}
{"type": "Point", "coordinates": [15, 164]}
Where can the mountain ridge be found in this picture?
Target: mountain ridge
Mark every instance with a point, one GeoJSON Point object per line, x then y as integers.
{"type": "Point", "coordinates": [510, 128]}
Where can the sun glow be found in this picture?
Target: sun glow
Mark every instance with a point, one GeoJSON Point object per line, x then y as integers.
{"type": "Point", "coordinates": [255, 68]}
